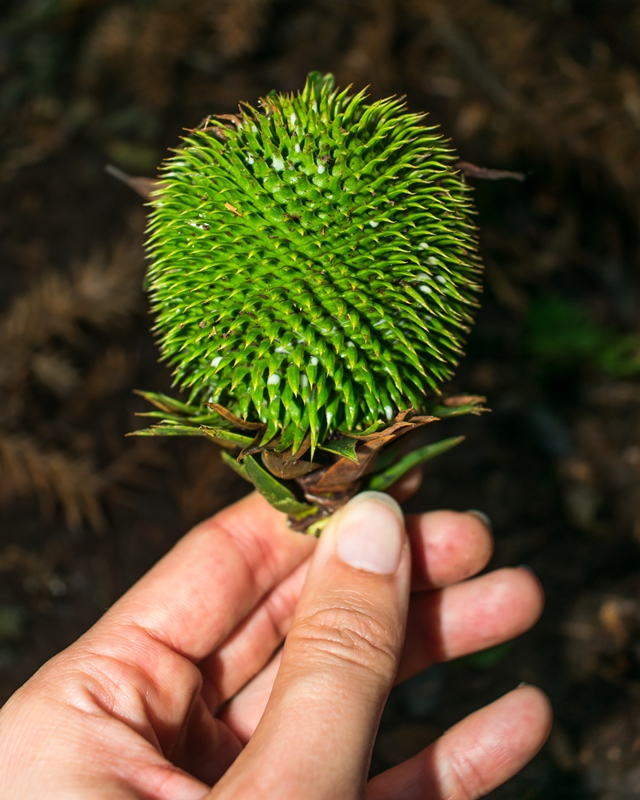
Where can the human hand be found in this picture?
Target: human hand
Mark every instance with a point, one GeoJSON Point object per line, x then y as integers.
{"type": "Point", "coordinates": [177, 688]}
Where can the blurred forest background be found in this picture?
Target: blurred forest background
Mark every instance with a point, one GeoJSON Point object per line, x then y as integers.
{"type": "Point", "coordinates": [547, 87]}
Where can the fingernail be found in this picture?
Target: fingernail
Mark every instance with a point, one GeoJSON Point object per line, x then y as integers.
{"type": "Point", "coordinates": [370, 533]}
{"type": "Point", "coordinates": [486, 521]}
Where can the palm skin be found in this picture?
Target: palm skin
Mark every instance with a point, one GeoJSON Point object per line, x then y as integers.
{"type": "Point", "coordinates": [176, 694]}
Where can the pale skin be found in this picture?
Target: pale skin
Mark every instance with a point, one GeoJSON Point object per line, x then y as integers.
{"type": "Point", "coordinates": [182, 691]}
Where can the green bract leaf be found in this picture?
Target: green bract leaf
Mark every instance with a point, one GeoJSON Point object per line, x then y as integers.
{"type": "Point", "coordinates": [272, 489]}
{"type": "Point", "coordinates": [343, 447]}
{"type": "Point", "coordinates": [226, 438]}
{"type": "Point", "coordinates": [166, 403]}
{"type": "Point", "coordinates": [170, 429]}
{"type": "Point", "coordinates": [383, 480]}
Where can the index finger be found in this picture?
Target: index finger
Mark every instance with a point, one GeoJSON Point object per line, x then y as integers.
{"type": "Point", "coordinates": [195, 596]}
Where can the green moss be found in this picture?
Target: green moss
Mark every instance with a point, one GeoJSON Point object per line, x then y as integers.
{"type": "Point", "coordinates": [313, 262]}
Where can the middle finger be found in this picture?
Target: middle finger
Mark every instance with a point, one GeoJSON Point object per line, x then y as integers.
{"type": "Point", "coordinates": [442, 625]}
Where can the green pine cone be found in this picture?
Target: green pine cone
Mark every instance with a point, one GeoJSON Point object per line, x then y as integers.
{"type": "Point", "coordinates": [314, 263]}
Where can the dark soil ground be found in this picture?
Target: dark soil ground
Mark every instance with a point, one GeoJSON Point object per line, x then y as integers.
{"type": "Point", "coordinates": [548, 88]}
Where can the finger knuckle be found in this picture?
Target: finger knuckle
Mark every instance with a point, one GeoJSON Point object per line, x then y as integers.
{"type": "Point", "coordinates": [349, 635]}
{"type": "Point", "coordinates": [467, 779]}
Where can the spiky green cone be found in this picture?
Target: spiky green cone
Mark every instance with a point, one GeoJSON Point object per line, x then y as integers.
{"type": "Point", "coordinates": [313, 275]}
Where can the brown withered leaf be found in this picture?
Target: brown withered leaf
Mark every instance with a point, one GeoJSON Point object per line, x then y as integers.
{"type": "Point", "coordinates": [284, 468]}
{"type": "Point", "coordinates": [484, 173]}
{"type": "Point", "coordinates": [339, 477]}
{"type": "Point", "coordinates": [234, 118]}
{"type": "Point", "coordinates": [239, 423]}
{"type": "Point", "coordinates": [400, 422]}
{"type": "Point", "coordinates": [254, 447]}
{"type": "Point", "coordinates": [328, 503]}
{"type": "Point", "coordinates": [290, 455]}
{"type": "Point", "coordinates": [463, 400]}
{"type": "Point", "coordinates": [141, 185]}
{"type": "Point", "coordinates": [232, 209]}
{"type": "Point", "coordinates": [205, 126]}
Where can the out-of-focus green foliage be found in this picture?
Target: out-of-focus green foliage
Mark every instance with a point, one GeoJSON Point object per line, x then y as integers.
{"type": "Point", "coordinates": [562, 335]}
{"type": "Point", "coordinates": [37, 49]}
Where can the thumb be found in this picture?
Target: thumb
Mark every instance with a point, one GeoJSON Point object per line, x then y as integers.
{"type": "Point", "coordinates": [338, 663]}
